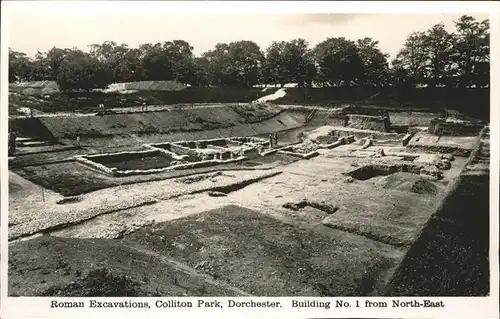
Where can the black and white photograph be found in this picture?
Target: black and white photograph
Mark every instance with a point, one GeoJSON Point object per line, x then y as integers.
{"type": "Point", "coordinates": [153, 154]}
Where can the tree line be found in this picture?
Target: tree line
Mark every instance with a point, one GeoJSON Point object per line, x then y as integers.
{"type": "Point", "coordinates": [435, 57]}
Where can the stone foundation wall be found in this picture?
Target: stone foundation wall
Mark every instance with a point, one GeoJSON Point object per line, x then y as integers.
{"type": "Point", "coordinates": [122, 156]}
{"type": "Point", "coordinates": [122, 173]}
{"type": "Point", "coordinates": [101, 168]}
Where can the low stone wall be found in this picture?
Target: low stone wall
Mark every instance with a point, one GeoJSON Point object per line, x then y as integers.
{"type": "Point", "coordinates": [303, 156]}
{"type": "Point", "coordinates": [375, 142]}
{"type": "Point", "coordinates": [289, 150]}
{"type": "Point", "coordinates": [112, 171]}
{"type": "Point", "coordinates": [166, 152]}
{"type": "Point", "coordinates": [182, 150]}
{"type": "Point", "coordinates": [269, 152]}
{"type": "Point", "coordinates": [254, 140]}
{"type": "Point", "coordinates": [121, 156]}
{"type": "Point", "coordinates": [359, 133]}
{"type": "Point", "coordinates": [102, 168]}
{"type": "Point", "coordinates": [122, 173]}
{"type": "Point", "coordinates": [343, 140]}
{"type": "Point", "coordinates": [198, 148]}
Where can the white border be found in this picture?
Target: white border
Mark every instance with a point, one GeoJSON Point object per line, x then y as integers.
{"type": "Point", "coordinates": [4, 179]}
{"type": "Point", "coordinates": [477, 307]}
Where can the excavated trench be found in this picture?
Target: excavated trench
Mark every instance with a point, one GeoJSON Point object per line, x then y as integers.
{"type": "Point", "coordinates": [370, 171]}
{"type": "Point", "coordinates": [237, 236]}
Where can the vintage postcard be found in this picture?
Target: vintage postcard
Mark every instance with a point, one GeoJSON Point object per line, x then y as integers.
{"type": "Point", "coordinates": [249, 159]}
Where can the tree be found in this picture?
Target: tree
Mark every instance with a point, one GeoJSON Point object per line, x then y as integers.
{"type": "Point", "coordinates": [307, 70]}
{"type": "Point", "coordinates": [219, 65]}
{"type": "Point", "coordinates": [156, 66]}
{"type": "Point", "coordinates": [128, 69]}
{"type": "Point", "coordinates": [274, 70]}
{"type": "Point", "coordinates": [399, 76]}
{"type": "Point", "coordinates": [289, 62]}
{"type": "Point", "coordinates": [20, 66]}
{"type": "Point", "coordinates": [438, 45]}
{"type": "Point", "coordinates": [471, 52]}
{"type": "Point", "coordinates": [201, 72]}
{"type": "Point", "coordinates": [115, 60]}
{"type": "Point", "coordinates": [247, 59]}
{"type": "Point", "coordinates": [40, 70]}
{"type": "Point", "coordinates": [81, 71]}
{"type": "Point", "coordinates": [235, 64]}
{"type": "Point", "coordinates": [181, 57]}
{"type": "Point", "coordinates": [54, 58]}
{"type": "Point", "coordinates": [413, 57]}
{"type": "Point", "coordinates": [374, 63]}
{"type": "Point", "coordinates": [339, 62]}
{"type": "Point", "coordinates": [298, 62]}
{"type": "Point", "coordinates": [171, 60]}
{"type": "Point", "coordinates": [434, 57]}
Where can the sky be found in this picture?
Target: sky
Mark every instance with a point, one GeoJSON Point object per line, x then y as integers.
{"type": "Point", "coordinates": [42, 25]}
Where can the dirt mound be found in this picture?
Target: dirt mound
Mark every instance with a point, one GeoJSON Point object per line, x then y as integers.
{"type": "Point", "coordinates": [409, 182]}
{"type": "Point", "coordinates": [96, 267]}
{"type": "Point", "coordinates": [31, 127]}
{"type": "Point", "coordinates": [88, 102]}
{"type": "Point", "coordinates": [34, 88]}
{"type": "Point", "coordinates": [152, 127]}
{"type": "Point", "coordinates": [368, 122]}
{"type": "Point", "coordinates": [253, 113]}
{"type": "Point", "coordinates": [181, 120]}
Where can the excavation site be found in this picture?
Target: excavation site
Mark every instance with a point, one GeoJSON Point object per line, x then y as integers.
{"type": "Point", "coordinates": [261, 195]}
